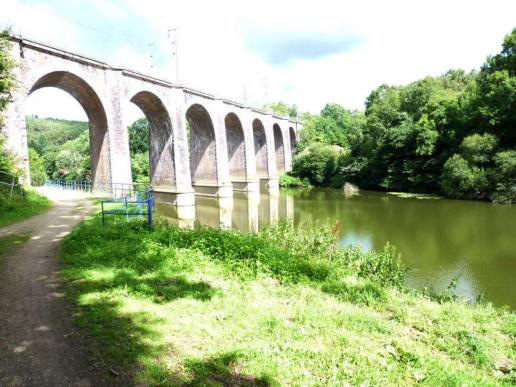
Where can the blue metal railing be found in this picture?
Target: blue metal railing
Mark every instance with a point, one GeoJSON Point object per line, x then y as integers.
{"type": "Point", "coordinates": [139, 207]}
{"type": "Point", "coordinates": [127, 199]}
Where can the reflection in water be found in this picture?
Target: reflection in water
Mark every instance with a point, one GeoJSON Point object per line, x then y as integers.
{"type": "Point", "coordinates": [438, 239]}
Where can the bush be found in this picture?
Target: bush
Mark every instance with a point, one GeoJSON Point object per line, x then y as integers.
{"type": "Point", "coordinates": [460, 180]}
{"type": "Point", "coordinates": [289, 181]}
{"type": "Point", "coordinates": [38, 174]}
{"type": "Point", "coordinates": [504, 177]}
{"type": "Point", "coordinates": [479, 149]}
{"type": "Point", "coordinates": [317, 163]}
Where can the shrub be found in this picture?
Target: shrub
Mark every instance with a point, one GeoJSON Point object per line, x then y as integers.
{"type": "Point", "coordinates": [460, 180]}
{"type": "Point", "coordinates": [479, 149]}
{"type": "Point", "coordinates": [504, 177]}
{"type": "Point", "coordinates": [289, 181]}
{"type": "Point", "coordinates": [38, 174]}
{"type": "Point", "coordinates": [317, 163]}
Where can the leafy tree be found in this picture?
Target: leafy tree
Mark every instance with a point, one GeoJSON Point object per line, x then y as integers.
{"type": "Point", "coordinates": [139, 136]}
{"type": "Point", "coordinates": [316, 163]}
{"type": "Point", "coordinates": [139, 150]}
{"type": "Point", "coordinates": [38, 173]}
{"type": "Point", "coordinates": [479, 149]}
{"type": "Point", "coordinates": [504, 177]}
{"type": "Point", "coordinates": [7, 79]}
{"type": "Point", "coordinates": [460, 180]}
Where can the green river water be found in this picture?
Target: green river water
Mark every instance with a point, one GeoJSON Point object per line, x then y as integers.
{"type": "Point", "coordinates": [438, 239]}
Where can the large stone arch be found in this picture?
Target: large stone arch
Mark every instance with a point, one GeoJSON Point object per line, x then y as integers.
{"type": "Point", "coordinates": [235, 140]}
{"type": "Point", "coordinates": [260, 149]}
{"type": "Point", "coordinates": [203, 148]}
{"type": "Point", "coordinates": [81, 90]}
{"type": "Point", "coordinates": [279, 147]}
{"type": "Point", "coordinates": [161, 149]}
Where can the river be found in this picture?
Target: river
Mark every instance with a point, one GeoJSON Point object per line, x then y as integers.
{"type": "Point", "coordinates": [438, 239]}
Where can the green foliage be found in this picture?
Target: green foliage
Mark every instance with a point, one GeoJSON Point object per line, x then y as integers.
{"type": "Point", "coordinates": [64, 146]}
{"type": "Point", "coordinates": [316, 163]}
{"type": "Point", "coordinates": [7, 79]}
{"type": "Point", "coordinates": [479, 149]}
{"type": "Point", "coordinates": [460, 180]}
{"type": "Point", "coordinates": [49, 134]}
{"type": "Point", "coordinates": [289, 181]}
{"type": "Point", "coordinates": [21, 205]}
{"type": "Point", "coordinates": [173, 307]}
{"type": "Point", "coordinates": [505, 177]}
{"type": "Point", "coordinates": [434, 135]}
{"type": "Point", "coordinates": [139, 136]}
{"type": "Point", "coordinates": [139, 150]}
{"type": "Point", "coordinates": [7, 166]}
{"type": "Point", "coordinates": [38, 173]}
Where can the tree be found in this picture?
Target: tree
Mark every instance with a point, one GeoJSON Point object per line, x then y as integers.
{"type": "Point", "coordinates": [38, 173]}
{"type": "Point", "coordinates": [7, 79]}
{"type": "Point", "coordinates": [460, 180]}
{"type": "Point", "coordinates": [139, 136]}
{"type": "Point", "coordinates": [317, 163]}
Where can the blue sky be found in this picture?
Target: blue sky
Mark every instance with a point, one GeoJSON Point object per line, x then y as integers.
{"type": "Point", "coordinates": [302, 52]}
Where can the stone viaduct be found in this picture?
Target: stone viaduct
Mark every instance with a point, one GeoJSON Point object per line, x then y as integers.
{"type": "Point", "coordinates": [198, 143]}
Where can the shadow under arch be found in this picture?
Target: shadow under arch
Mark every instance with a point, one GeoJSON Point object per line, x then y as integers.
{"type": "Point", "coordinates": [203, 151]}
{"type": "Point", "coordinates": [79, 89]}
{"type": "Point", "coordinates": [293, 140]}
{"type": "Point", "coordinates": [279, 148]}
{"type": "Point", "coordinates": [260, 149]}
{"type": "Point", "coordinates": [237, 157]}
{"type": "Point", "coordinates": [161, 150]}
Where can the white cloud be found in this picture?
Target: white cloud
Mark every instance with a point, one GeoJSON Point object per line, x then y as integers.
{"type": "Point", "coordinates": [401, 41]}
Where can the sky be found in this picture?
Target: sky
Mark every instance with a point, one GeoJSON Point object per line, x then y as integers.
{"type": "Point", "coordinates": [306, 53]}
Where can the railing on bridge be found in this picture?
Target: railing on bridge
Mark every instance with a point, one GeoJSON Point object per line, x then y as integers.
{"type": "Point", "coordinates": [131, 200]}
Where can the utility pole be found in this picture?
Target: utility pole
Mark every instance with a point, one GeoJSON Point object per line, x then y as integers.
{"type": "Point", "coordinates": [152, 51]}
{"type": "Point", "coordinates": [266, 89]}
{"type": "Point", "coordinates": [172, 35]}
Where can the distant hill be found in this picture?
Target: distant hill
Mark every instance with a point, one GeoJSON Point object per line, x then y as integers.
{"type": "Point", "coordinates": [47, 134]}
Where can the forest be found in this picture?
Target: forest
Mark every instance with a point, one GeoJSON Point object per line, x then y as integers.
{"type": "Point", "coordinates": [59, 149]}
{"type": "Point", "coordinates": [453, 135]}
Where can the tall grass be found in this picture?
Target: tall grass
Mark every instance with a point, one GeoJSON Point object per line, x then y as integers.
{"type": "Point", "coordinates": [286, 306]}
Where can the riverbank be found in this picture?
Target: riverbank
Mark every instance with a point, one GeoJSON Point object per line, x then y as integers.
{"type": "Point", "coordinates": [19, 207]}
{"type": "Point", "coordinates": [187, 307]}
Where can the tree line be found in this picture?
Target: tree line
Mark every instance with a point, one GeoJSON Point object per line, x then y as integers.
{"type": "Point", "coordinates": [454, 135]}
{"type": "Point", "coordinates": [59, 149]}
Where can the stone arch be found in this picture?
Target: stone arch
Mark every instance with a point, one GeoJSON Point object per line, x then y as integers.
{"type": "Point", "coordinates": [81, 90]}
{"type": "Point", "coordinates": [203, 149]}
{"type": "Point", "coordinates": [293, 140]}
{"type": "Point", "coordinates": [279, 147]}
{"type": "Point", "coordinates": [260, 149]}
{"type": "Point", "coordinates": [236, 147]}
{"type": "Point", "coordinates": [161, 151]}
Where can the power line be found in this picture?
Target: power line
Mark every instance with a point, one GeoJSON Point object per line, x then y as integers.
{"type": "Point", "coordinates": [73, 21]}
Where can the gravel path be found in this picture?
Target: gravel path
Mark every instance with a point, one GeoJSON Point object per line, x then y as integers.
{"type": "Point", "coordinates": [37, 347]}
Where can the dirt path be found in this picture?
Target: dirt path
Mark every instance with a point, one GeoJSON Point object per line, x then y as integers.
{"type": "Point", "coordinates": [36, 348]}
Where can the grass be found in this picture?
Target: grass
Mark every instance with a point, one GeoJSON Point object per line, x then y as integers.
{"type": "Point", "coordinates": [21, 207]}
{"type": "Point", "coordinates": [284, 307]}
